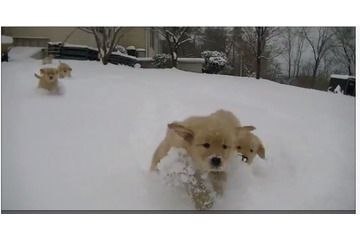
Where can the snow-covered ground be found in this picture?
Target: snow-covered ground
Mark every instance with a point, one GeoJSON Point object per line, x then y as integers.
{"type": "Point", "coordinates": [91, 148]}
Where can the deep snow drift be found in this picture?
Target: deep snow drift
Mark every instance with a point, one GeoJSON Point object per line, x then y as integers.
{"type": "Point", "coordinates": [91, 148]}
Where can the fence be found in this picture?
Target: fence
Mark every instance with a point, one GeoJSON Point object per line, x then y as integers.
{"type": "Point", "coordinates": [78, 52]}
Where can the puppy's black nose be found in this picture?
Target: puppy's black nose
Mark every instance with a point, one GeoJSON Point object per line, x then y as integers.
{"type": "Point", "coordinates": [215, 161]}
{"type": "Point", "coordinates": [244, 158]}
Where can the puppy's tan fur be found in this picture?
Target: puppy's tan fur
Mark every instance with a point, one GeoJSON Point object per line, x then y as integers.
{"type": "Point", "coordinates": [48, 79]}
{"type": "Point", "coordinates": [203, 137]}
{"type": "Point", "coordinates": [48, 60]}
{"type": "Point", "coordinates": [248, 144]}
{"type": "Point", "coordinates": [64, 70]}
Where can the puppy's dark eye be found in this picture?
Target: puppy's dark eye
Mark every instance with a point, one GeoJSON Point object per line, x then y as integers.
{"type": "Point", "coordinates": [224, 146]}
{"type": "Point", "coordinates": [206, 145]}
{"type": "Point", "coordinates": [251, 150]}
{"type": "Point", "coordinates": [238, 147]}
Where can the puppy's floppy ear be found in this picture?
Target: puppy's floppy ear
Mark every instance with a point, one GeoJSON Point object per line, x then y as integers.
{"type": "Point", "coordinates": [185, 133]}
{"type": "Point", "coordinates": [37, 76]}
{"type": "Point", "coordinates": [246, 128]}
{"type": "Point", "coordinates": [261, 151]}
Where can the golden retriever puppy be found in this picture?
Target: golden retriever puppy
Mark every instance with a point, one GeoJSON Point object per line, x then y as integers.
{"type": "Point", "coordinates": [226, 117]}
{"type": "Point", "coordinates": [207, 140]}
{"type": "Point", "coordinates": [48, 79]}
{"type": "Point", "coordinates": [248, 144]}
{"type": "Point", "coordinates": [64, 70]}
{"type": "Point", "coordinates": [48, 60]}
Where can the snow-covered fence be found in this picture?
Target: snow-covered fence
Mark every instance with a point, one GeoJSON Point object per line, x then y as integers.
{"type": "Point", "coordinates": [191, 64]}
{"type": "Point", "coordinates": [185, 64]}
{"type": "Point", "coordinates": [145, 62]}
{"type": "Point", "coordinates": [79, 52]}
{"type": "Point", "coordinates": [120, 58]}
{"type": "Point", "coordinates": [68, 51]}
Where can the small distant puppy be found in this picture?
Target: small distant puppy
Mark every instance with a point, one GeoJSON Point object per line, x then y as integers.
{"type": "Point", "coordinates": [246, 143]}
{"type": "Point", "coordinates": [48, 60]}
{"type": "Point", "coordinates": [207, 140]}
{"type": "Point", "coordinates": [48, 79]}
{"type": "Point", "coordinates": [64, 70]}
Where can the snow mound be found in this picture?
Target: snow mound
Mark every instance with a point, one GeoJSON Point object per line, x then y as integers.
{"type": "Point", "coordinates": [175, 168]}
{"type": "Point", "coordinates": [338, 90]}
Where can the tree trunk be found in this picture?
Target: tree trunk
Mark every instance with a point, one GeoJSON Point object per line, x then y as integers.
{"type": "Point", "coordinates": [313, 78]}
{"type": "Point", "coordinates": [258, 67]}
{"type": "Point", "coordinates": [105, 60]}
{"type": "Point", "coordinates": [241, 63]}
{"type": "Point", "coordinates": [289, 70]}
{"type": "Point", "coordinates": [258, 59]}
{"type": "Point", "coordinates": [348, 61]}
{"type": "Point", "coordinates": [258, 54]}
{"type": "Point", "coordinates": [174, 58]}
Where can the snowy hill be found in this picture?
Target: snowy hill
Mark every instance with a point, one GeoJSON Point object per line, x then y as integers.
{"type": "Point", "coordinates": [91, 148]}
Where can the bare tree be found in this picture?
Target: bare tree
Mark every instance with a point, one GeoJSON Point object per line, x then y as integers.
{"type": "Point", "coordinates": [299, 50]}
{"type": "Point", "coordinates": [325, 69]}
{"type": "Point", "coordinates": [234, 45]}
{"type": "Point", "coordinates": [106, 39]}
{"type": "Point", "coordinates": [293, 48]}
{"type": "Point", "coordinates": [320, 42]}
{"type": "Point", "coordinates": [345, 47]}
{"type": "Point", "coordinates": [258, 39]}
{"type": "Point", "coordinates": [288, 39]}
{"type": "Point", "coordinates": [175, 37]}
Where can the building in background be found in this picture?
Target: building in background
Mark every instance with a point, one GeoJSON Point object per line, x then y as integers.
{"type": "Point", "coordinates": [343, 84]}
{"type": "Point", "coordinates": [145, 39]}
{"type": "Point", "coordinates": [141, 43]}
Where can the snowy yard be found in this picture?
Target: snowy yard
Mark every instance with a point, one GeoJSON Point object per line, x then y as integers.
{"type": "Point", "coordinates": [91, 148]}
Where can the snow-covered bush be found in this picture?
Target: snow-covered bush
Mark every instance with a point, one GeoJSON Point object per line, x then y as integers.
{"type": "Point", "coordinates": [214, 61]}
{"type": "Point", "coordinates": [227, 70]}
{"type": "Point", "coordinates": [120, 49]}
{"type": "Point", "coordinates": [162, 60]}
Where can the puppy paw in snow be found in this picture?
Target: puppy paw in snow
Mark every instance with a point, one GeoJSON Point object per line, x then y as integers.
{"type": "Point", "coordinates": [201, 195]}
{"type": "Point", "coordinates": [176, 170]}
